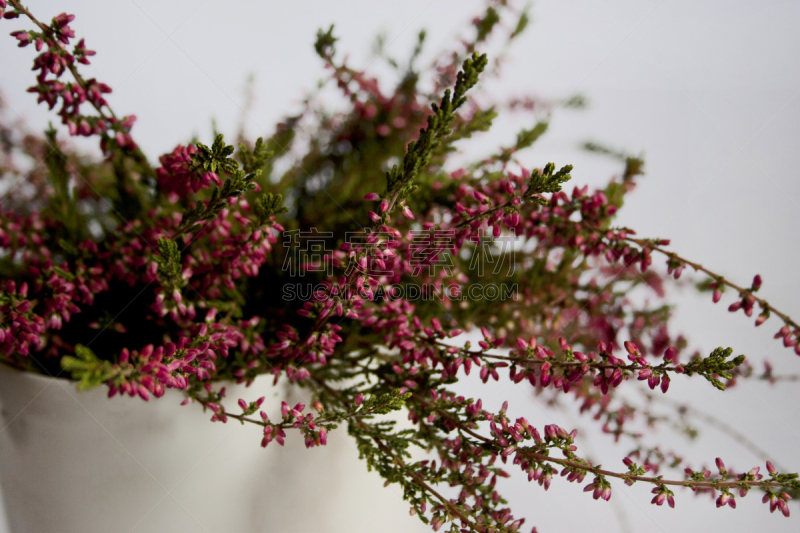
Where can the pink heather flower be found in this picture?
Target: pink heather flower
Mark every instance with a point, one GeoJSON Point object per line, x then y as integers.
{"type": "Point", "coordinates": [721, 466]}
{"type": "Point", "coordinates": [175, 177]}
{"type": "Point", "coordinates": [772, 499]}
{"type": "Point", "coordinates": [784, 508]}
{"type": "Point", "coordinates": [631, 348]}
{"type": "Point", "coordinates": [371, 196]}
{"type": "Point", "coordinates": [717, 296]}
{"type": "Point", "coordinates": [782, 332]}
{"type": "Point", "coordinates": [23, 37]}
{"type": "Point", "coordinates": [63, 19]}
{"type": "Point", "coordinates": [359, 399]}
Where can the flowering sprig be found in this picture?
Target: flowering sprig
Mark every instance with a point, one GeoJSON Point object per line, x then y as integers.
{"type": "Point", "coordinates": [539, 364]}
{"type": "Point", "coordinates": [53, 63]}
{"type": "Point", "coordinates": [315, 429]}
{"type": "Point", "coordinates": [789, 332]}
{"type": "Point", "coordinates": [556, 437]}
{"type": "Point", "coordinates": [400, 178]}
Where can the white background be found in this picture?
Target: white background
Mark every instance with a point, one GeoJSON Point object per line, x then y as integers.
{"type": "Point", "coordinates": [705, 90]}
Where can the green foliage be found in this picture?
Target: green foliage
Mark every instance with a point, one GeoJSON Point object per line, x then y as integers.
{"type": "Point", "coordinates": [325, 43]}
{"type": "Point", "coordinates": [399, 180]}
{"type": "Point", "coordinates": [481, 121]}
{"type": "Point", "coordinates": [526, 138]}
{"type": "Point", "coordinates": [269, 205]}
{"type": "Point", "coordinates": [716, 364]}
{"type": "Point", "coordinates": [86, 368]}
{"type": "Point", "coordinates": [255, 159]}
{"type": "Point", "coordinates": [381, 404]}
{"type": "Point", "coordinates": [577, 101]}
{"type": "Point", "coordinates": [264, 156]}
{"type": "Point", "coordinates": [62, 202]}
{"type": "Point", "coordinates": [487, 23]}
{"type": "Point", "coordinates": [548, 180]}
{"type": "Point", "coordinates": [704, 285]}
{"type": "Point", "coordinates": [169, 261]}
{"type": "Point", "coordinates": [522, 23]}
{"type": "Point", "coordinates": [634, 166]}
{"type": "Point", "coordinates": [374, 439]}
{"type": "Point", "coordinates": [465, 80]}
{"type": "Point", "coordinates": [417, 48]}
{"type": "Point", "coordinates": [216, 158]}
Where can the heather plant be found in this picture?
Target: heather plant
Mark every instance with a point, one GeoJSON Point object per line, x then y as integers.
{"type": "Point", "coordinates": [375, 272]}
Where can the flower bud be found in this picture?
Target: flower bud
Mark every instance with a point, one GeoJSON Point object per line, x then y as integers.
{"type": "Point", "coordinates": [631, 348]}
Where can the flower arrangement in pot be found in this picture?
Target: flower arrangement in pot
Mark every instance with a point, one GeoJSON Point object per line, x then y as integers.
{"type": "Point", "coordinates": [373, 275]}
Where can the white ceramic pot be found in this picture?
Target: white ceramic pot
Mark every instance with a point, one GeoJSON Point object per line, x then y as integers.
{"type": "Point", "coordinates": [79, 462]}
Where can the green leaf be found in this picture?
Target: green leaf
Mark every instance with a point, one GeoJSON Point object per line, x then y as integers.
{"type": "Point", "coordinates": [526, 138]}
{"type": "Point", "coordinates": [522, 23]}
{"type": "Point", "coordinates": [325, 43]}
{"type": "Point", "coordinates": [86, 368]}
{"type": "Point", "coordinates": [169, 260]}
